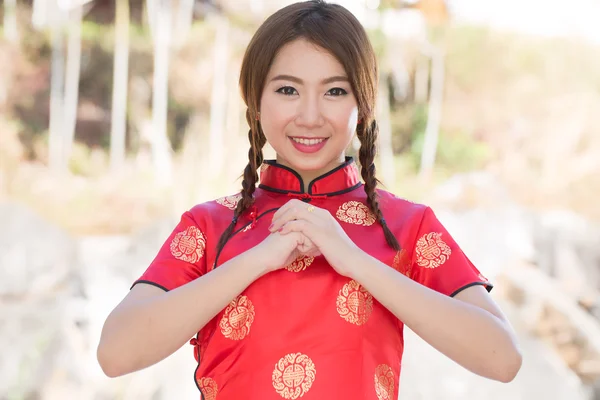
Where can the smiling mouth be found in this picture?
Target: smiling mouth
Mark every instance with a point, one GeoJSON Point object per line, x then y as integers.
{"type": "Point", "coordinates": [308, 142]}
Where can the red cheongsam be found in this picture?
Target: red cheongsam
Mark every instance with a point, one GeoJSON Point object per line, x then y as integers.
{"type": "Point", "coordinates": [305, 331]}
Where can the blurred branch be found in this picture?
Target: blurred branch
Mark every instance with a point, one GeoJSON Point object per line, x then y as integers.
{"type": "Point", "coordinates": [120, 85]}
{"type": "Point", "coordinates": [11, 32]}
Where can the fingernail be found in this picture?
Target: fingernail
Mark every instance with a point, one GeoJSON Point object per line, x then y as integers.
{"type": "Point", "coordinates": [271, 226]}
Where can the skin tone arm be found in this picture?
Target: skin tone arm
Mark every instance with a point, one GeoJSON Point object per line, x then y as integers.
{"type": "Point", "coordinates": [150, 324]}
{"type": "Point", "coordinates": [470, 328]}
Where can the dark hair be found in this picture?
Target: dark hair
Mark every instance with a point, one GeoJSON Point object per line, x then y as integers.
{"type": "Point", "coordinates": [335, 29]}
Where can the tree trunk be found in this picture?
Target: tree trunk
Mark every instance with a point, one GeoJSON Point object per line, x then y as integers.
{"type": "Point", "coordinates": [386, 151]}
{"type": "Point", "coordinates": [57, 85]}
{"type": "Point", "coordinates": [219, 96]}
{"type": "Point", "coordinates": [422, 80]}
{"type": "Point", "coordinates": [72, 82]}
{"type": "Point", "coordinates": [39, 15]}
{"type": "Point", "coordinates": [11, 32]}
{"type": "Point", "coordinates": [161, 149]}
{"type": "Point", "coordinates": [434, 117]}
{"type": "Point", "coordinates": [185, 18]}
{"type": "Point", "coordinates": [120, 86]}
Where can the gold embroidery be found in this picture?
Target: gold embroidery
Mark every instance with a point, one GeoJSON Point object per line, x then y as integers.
{"type": "Point", "coordinates": [384, 382]}
{"type": "Point", "coordinates": [230, 202]}
{"type": "Point", "coordinates": [293, 375]}
{"type": "Point", "coordinates": [355, 212]}
{"type": "Point", "coordinates": [209, 388]}
{"type": "Point", "coordinates": [402, 263]}
{"type": "Point", "coordinates": [354, 303]}
{"type": "Point", "coordinates": [188, 245]}
{"type": "Point", "coordinates": [300, 264]}
{"type": "Point", "coordinates": [237, 318]}
{"type": "Point", "coordinates": [432, 251]}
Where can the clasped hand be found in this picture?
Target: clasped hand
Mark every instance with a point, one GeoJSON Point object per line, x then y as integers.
{"type": "Point", "coordinates": [316, 232]}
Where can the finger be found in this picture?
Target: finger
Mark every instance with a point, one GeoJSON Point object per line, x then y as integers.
{"type": "Point", "coordinates": [288, 215]}
{"type": "Point", "coordinates": [284, 208]}
{"type": "Point", "coordinates": [300, 210]}
{"type": "Point", "coordinates": [299, 225]}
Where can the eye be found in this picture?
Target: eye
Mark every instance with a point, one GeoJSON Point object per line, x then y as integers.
{"type": "Point", "coordinates": [287, 91]}
{"type": "Point", "coordinates": [337, 92]}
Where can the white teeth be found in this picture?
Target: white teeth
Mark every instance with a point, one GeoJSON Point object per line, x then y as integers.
{"type": "Point", "coordinates": [308, 142]}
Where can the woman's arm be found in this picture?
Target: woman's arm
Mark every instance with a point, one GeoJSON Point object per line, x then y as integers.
{"type": "Point", "coordinates": [469, 328]}
{"type": "Point", "coordinates": [150, 324]}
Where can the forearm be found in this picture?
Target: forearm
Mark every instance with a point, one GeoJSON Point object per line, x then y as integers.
{"type": "Point", "coordinates": [469, 335]}
{"type": "Point", "coordinates": [151, 329]}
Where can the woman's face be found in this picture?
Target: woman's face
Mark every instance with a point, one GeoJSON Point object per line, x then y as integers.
{"type": "Point", "coordinates": [307, 110]}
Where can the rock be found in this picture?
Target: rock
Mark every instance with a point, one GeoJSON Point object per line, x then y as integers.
{"type": "Point", "coordinates": [35, 256]}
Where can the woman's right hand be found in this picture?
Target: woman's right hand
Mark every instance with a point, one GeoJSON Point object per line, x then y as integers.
{"type": "Point", "coordinates": [278, 251]}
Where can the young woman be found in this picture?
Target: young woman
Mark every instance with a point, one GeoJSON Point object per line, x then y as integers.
{"type": "Point", "coordinates": [300, 287]}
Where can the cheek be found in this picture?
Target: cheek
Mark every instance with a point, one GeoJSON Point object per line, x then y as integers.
{"type": "Point", "coordinates": [346, 118]}
{"type": "Point", "coordinates": [275, 115]}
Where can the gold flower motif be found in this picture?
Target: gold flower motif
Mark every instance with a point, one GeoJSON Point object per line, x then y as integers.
{"type": "Point", "coordinates": [355, 212]}
{"type": "Point", "coordinates": [431, 251]}
{"type": "Point", "coordinates": [384, 382]}
{"type": "Point", "coordinates": [237, 318]}
{"type": "Point", "coordinates": [209, 388]}
{"type": "Point", "coordinates": [294, 375]}
{"type": "Point", "coordinates": [300, 264]}
{"type": "Point", "coordinates": [230, 202]}
{"type": "Point", "coordinates": [402, 263]}
{"type": "Point", "coordinates": [189, 245]}
{"type": "Point", "coordinates": [354, 303]}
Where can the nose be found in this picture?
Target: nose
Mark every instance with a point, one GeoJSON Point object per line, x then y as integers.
{"type": "Point", "coordinates": [309, 113]}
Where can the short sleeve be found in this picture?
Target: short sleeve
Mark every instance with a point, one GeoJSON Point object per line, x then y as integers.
{"type": "Point", "coordinates": [438, 262]}
{"type": "Point", "coordinates": [180, 260]}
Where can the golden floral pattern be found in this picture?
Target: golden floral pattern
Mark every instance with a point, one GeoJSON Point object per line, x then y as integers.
{"type": "Point", "coordinates": [431, 251]}
{"type": "Point", "coordinates": [237, 318]}
{"type": "Point", "coordinates": [384, 382]}
{"type": "Point", "coordinates": [189, 245]}
{"type": "Point", "coordinates": [294, 375]}
{"type": "Point", "coordinates": [401, 263]}
{"type": "Point", "coordinates": [230, 202]}
{"type": "Point", "coordinates": [209, 388]}
{"type": "Point", "coordinates": [300, 264]}
{"type": "Point", "coordinates": [355, 212]}
{"type": "Point", "coordinates": [354, 303]}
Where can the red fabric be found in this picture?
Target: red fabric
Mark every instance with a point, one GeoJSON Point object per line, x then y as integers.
{"type": "Point", "coordinates": [306, 331]}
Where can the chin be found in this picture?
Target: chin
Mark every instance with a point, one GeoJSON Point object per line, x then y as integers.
{"type": "Point", "coordinates": [307, 163]}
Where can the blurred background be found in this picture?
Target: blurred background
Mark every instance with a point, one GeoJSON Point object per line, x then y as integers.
{"type": "Point", "coordinates": [116, 116]}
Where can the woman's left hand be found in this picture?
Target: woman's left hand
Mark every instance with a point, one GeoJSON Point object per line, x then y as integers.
{"type": "Point", "coordinates": [321, 228]}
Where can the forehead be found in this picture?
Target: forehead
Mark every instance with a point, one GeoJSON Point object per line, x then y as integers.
{"type": "Point", "coordinates": [304, 59]}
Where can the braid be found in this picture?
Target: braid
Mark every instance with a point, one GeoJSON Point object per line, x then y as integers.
{"type": "Point", "coordinates": [255, 159]}
{"type": "Point", "coordinates": [366, 156]}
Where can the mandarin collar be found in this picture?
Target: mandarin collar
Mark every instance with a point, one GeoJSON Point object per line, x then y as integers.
{"type": "Point", "coordinates": [275, 177]}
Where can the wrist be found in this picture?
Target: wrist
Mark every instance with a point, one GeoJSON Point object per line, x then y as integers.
{"type": "Point", "coordinates": [353, 260]}
{"type": "Point", "coordinates": [256, 262]}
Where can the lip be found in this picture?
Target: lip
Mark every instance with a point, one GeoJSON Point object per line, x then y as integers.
{"type": "Point", "coordinates": [308, 149]}
{"type": "Point", "coordinates": [308, 137]}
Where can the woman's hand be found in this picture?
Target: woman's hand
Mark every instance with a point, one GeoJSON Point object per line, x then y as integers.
{"type": "Point", "coordinates": [321, 228]}
{"type": "Point", "coordinates": [278, 250]}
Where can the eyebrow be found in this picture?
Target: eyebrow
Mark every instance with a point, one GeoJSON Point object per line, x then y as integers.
{"type": "Point", "coordinates": [338, 78]}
